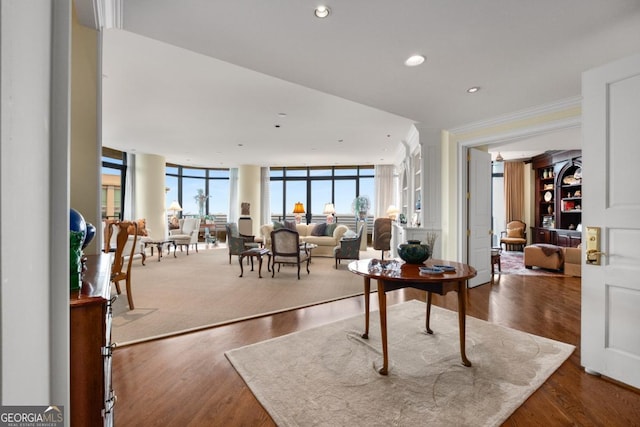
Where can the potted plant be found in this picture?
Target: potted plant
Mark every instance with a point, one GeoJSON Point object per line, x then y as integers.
{"type": "Point", "coordinates": [360, 207]}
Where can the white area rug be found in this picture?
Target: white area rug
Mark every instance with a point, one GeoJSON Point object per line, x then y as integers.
{"type": "Point", "coordinates": [325, 376]}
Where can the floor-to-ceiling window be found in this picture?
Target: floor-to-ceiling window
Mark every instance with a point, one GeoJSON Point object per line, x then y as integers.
{"type": "Point", "coordinates": [199, 191]}
{"type": "Point", "coordinates": [498, 219]}
{"type": "Point", "coordinates": [317, 186]}
{"type": "Point", "coordinates": [114, 168]}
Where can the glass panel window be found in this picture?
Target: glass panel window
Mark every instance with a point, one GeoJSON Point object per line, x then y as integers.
{"type": "Point", "coordinates": [277, 199]}
{"type": "Point", "coordinates": [219, 200]}
{"type": "Point", "coordinates": [296, 192]}
{"type": "Point", "coordinates": [346, 171]}
{"type": "Point", "coordinates": [367, 188]}
{"type": "Point", "coordinates": [190, 187]}
{"type": "Point", "coordinates": [194, 172]}
{"type": "Point", "coordinates": [320, 172]}
{"type": "Point", "coordinates": [320, 194]}
{"type": "Point", "coordinates": [345, 192]}
{"type": "Point", "coordinates": [296, 172]}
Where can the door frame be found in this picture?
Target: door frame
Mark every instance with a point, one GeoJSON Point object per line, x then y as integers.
{"type": "Point", "coordinates": [502, 137]}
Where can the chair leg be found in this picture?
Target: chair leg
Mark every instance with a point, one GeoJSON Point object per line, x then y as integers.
{"type": "Point", "coordinates": [118, 287]}
{"type": "Point", "coordinates": [308, 262]}
{"type": "Point", "coordinates": [298, 271]}
{"type": "Point", "coordinates": [129, 296]}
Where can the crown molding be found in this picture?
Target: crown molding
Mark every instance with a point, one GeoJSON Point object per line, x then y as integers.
{"type": "Point", "coordinates": [554, 107]}
{"type": "Point", "coordinates": [100, 14]}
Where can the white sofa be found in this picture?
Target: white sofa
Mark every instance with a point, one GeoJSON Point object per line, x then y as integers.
{"type": "Point", "coordinates": [325, 243]}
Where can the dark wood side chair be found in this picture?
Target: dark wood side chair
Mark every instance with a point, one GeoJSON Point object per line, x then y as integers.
{"type": "Point", "coordinates": [286, 249]}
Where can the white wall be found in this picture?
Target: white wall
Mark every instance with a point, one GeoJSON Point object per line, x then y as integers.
{"type": "Point", "coordinates": [34, 221]}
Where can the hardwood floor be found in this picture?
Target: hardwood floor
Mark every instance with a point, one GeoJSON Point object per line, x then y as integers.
{"type": "Point", "coordinates": [187, 381]}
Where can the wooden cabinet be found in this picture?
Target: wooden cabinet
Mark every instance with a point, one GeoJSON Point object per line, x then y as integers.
{"type": "Point", "coordinates": [92, 397]}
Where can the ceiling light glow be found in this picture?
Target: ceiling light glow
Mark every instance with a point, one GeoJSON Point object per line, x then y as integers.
{"type": "Point", "coordinates": [473, 89]}
{"type": "Point", "coordinates": [414, 60]}
{"type": "Point", "coordinates": [322, 11]}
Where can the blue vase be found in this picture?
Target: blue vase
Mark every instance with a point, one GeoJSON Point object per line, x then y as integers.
{"type": "Point", "coordinates": [413, 252]}
{"type": "Point", "coordinates": [77, 223]}
{"type": "Point", "coordinates": [91, 232]}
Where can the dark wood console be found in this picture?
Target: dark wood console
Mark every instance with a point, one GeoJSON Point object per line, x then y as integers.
{"type": "Point", "coordinates": [559, 237]}
{"type": "Point", "coordinates": [92, 397]}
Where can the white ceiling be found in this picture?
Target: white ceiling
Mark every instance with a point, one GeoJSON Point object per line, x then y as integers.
{"type": "Point", "coordinates": [202, 82]}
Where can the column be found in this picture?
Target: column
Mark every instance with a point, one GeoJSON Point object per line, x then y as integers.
{"type": "Point", "coordinates": [150, 195]}
{"type": "Point", "coordinates": [249, 192]}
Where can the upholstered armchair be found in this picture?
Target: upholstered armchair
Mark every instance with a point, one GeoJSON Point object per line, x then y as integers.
{"type": "Point", "coordinates": [349, 248]}
{"type": "Point", "coordinates": [187, 234]}
{"type": "Point", "coordinates": [285, 249]}
{"type": "Point", "coordinates": [382, 235]}
{"type": "Point", "coordinates": [514, 236]}
{"type": "Point", "coordinates": [236, 242]}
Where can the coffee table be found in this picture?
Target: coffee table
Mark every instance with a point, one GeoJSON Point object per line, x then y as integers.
{"type": "Point", "coordinates": [159, 244]}
{"type": "Point", "coordinates": [409, 276]}
{"type": "Point", "coordinates": [255, 253]}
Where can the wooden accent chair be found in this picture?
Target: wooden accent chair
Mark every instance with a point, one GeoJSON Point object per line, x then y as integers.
{"type": "Point", "coordinates": [382, 235]}
{"type": "Point", "coordinates": [123, 257]}
{"type": "Point", "coordinates": [285, 248]}
{"type": "Point", "coordinates": [349, 248]}
{"type": "Point", "coordinates": [514, 236]}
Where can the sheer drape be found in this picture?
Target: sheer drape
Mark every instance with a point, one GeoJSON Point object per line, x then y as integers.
{"type": "Point", "coordinates": [233, 195]}
{"type": "Point", "coordinates": [514, 190]}
{"type": "Point", "coordinates": [385, 190]}
{"type": "Point", "coordinates": [265, 196]}
{"type": "Point", "coordinates": [129, 208]}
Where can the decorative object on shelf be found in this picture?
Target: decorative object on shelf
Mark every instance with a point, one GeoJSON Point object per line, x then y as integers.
{"type": "Point", "coordinates": [329, 211]}
{"type": "Point", "coordinates": [414, 252]}
{"type": "Point", "coordinates": [548, 196]}
{"type": "Point", "coordinates": [545, 174]}
{"type": "Point", "coordinates": [77, 235]}
{"type": "Point", "coordinates": [550, 209]}
{"type": "Point", "coordinates": [418, 203]}
{"type": "Point", "coordinates": [578, 174]}
{"type": "Point", "coordinates": [298, 210]}
{"type": "Point", "coordinates": [402, 218]}
{"type": "Point", "coordinates": [392, 212]}
{"type": "Point", "coordinates": [245, 209]}
{"type": "Point", "coordinates": [360, 207]}
{"type": "Point", "coordinates": [201, 199]}
{"type": "Point", "coordinates": [90, 234]}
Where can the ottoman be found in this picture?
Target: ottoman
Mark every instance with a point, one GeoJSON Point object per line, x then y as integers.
{"type": "Point", "coordinates": [544, 256]}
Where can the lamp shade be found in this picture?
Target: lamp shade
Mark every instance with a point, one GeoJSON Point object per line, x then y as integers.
{"type": "Point", "coordinates": [175, 206]}
{"type": "Point", "coordinates": [392, 211]}
{"type": "Point", "coordinates": [329, 209]}
{"type": "Point", "coordinates": [298, 208]}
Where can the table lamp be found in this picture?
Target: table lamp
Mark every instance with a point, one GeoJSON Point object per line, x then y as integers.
{"type": "Point", "coordinates": [298, 210]}
{"type": "Point", "coordinates": [392, 212]}
{"type": "Point", "coordinates": [175, 207]}
{"type": "Point", "coordinates": [329, 210]}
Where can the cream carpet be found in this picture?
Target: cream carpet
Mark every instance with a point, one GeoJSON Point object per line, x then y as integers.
{"type": "Point", "coordinates": [325, 376]}
{"type": "Point", "coordinates": [202, 289]}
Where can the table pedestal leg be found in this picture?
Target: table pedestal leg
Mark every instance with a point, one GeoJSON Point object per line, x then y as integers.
{"type": "Point", "coordinates": [367, 291]}
{"type": "Point", "coordinates": [462, 316]}
{"type": "Point", "coordinates": [382, 302]}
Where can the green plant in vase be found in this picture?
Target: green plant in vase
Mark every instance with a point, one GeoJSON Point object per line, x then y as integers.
{"type": "Point", "coordinates": [360, 207]}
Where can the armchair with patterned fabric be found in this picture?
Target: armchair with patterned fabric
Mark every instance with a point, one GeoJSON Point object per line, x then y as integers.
{"type": "Point", "coordinates": [286, 249]}
{"type": "Point", "coordinates": [349, 248]}
{"type": "Point", "coordinates": [236, 242]}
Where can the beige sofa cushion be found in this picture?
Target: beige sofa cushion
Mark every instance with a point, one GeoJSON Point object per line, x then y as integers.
{"type": "Point", "coordinates": [325, 243]}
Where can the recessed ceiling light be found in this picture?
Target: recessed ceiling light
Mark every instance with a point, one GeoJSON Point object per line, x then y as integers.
{"type": "Point", "coordinates": [282, 114]}
{"type": "Point", "coordinates": [414, 60]}
{"type": "Point", "coordinates": [322, 11]}
{"type": "Point", "coordinates": [473, 89]}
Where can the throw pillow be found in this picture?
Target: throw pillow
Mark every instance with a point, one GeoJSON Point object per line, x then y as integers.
{"type": "Point", "coordinates": [330, 229]}
{"type": "Point", "coordinates": [291, 225]}
{"type": "Point", "coordinates": [515, 232]}
{"type": "Point", "coordinates": [319, 229]}
{"type": "Point", "coordinates": [142, 228]}
{"type": "Point", "coordinates": [349, 234]}
{"type": "Point", "coordinates": [277, 225]}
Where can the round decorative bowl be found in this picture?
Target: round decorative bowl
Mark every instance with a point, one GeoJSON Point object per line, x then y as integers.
{"type": "Point", "coordinates": [414, 252]}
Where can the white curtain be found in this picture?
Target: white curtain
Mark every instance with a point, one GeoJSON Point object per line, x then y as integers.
{"type": "Point", "coordinates": [130, 188]}
{"type": "Point", "coordinates": [385, 189]}
{"type": "Point", "coordinates": [265, 196]}
{"type": "Point", "coordinates": [233, 214]}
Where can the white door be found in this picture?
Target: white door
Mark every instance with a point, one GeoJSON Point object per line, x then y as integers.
{"type": "Point", "coordinates": [479, 211]}
{"type": "Point", "coordinates": [611, 160]}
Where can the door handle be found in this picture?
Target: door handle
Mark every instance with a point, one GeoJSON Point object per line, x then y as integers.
{"type": "Point", "coordinates": [593, 252]}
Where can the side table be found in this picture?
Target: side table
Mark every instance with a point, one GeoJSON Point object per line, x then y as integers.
{"type": "Point", "coordinates": [255, 253]}
{"type": "Point", "coordinates": [495, 260]}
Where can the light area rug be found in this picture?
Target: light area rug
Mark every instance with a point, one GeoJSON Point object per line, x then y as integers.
{"type": "Point", "coordinates": [326, 377]}
{"type": "Point", "coordinates": [512, 262]}
{"type": "Point", "coordinates": [202, 290]}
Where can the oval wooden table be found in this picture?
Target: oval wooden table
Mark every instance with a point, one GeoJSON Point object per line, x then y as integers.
{"type": "Point", "coordinates": [409, 276]}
